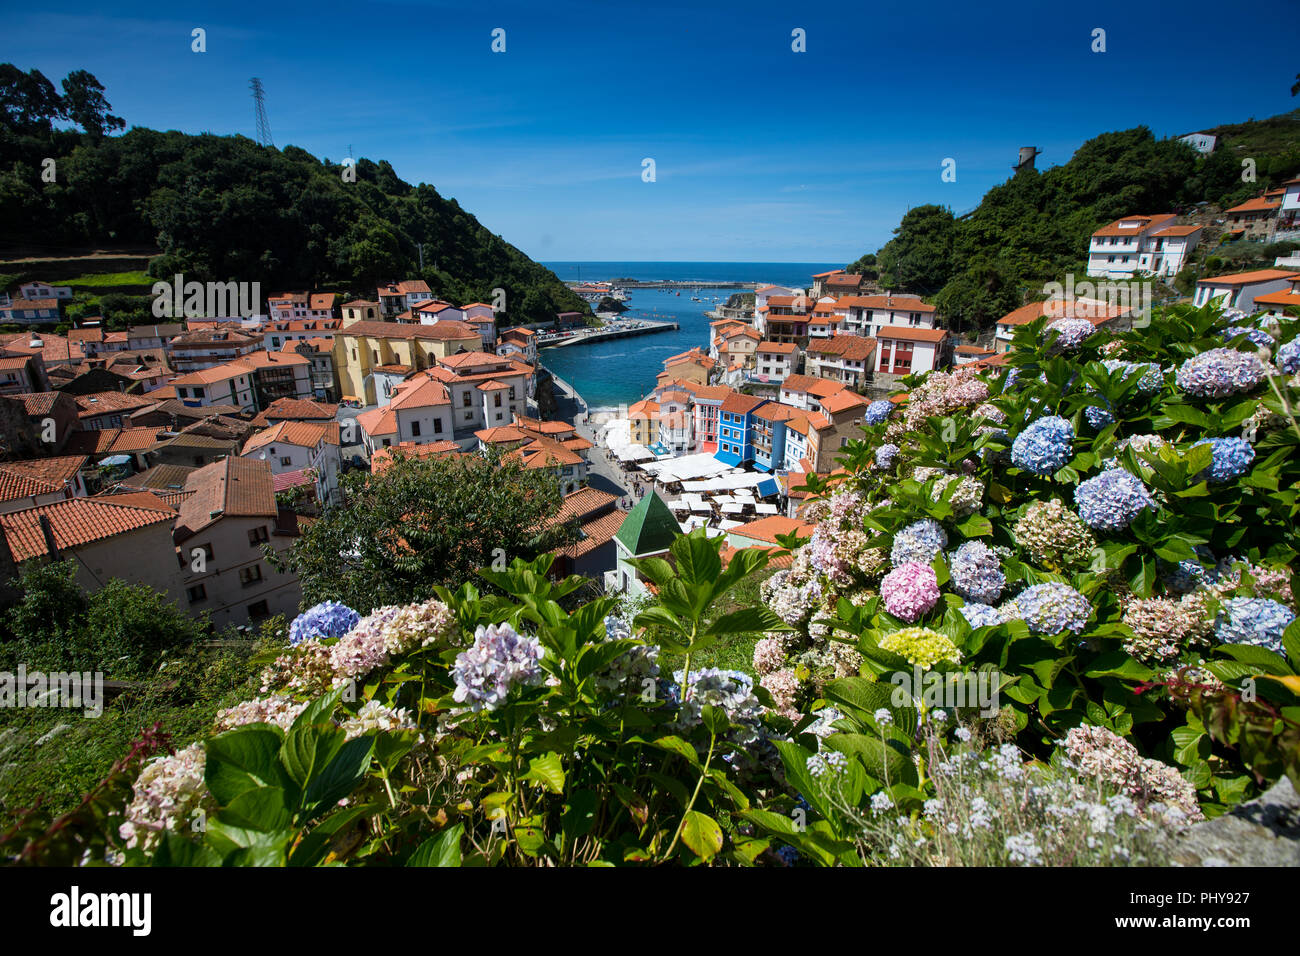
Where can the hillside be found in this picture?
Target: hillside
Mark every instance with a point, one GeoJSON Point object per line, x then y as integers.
{"type": "Point", "coordinates": [1036, 225]}
{"type": "Point", "coordinates": [223, 208]}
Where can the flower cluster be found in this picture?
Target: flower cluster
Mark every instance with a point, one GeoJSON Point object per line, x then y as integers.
{"type": "Point", "coordinates": [783, 685]}
{"type": "Point", "coordinates": [1232, 459]}
{"type": "Point", "coordinates": [981, 615]}
{"type": "Point", "coordinates": [1218, 373]}
{"type": "Point", "coordinates": [1258, 621]}
{"type": "Point", "coordinates": [275, 709]}
{"type": "Point", "coordinates": [322, 621]}
{"type": "Point", "coordinates": [910, 590]}
{"type": "Point", "coordinates": [827, 764]}
{"type": "Point", "coordinates": [1101, 753]}
{"type": "Point", "coordinates": [1288, 357]}
{"type": "Point", "coordinates": [878, 411]}
{"type": "Point", "coordinates": [967, 496]}
{"type": "Point", "coordinates": [1162, 628]}
{"type": "Point", "coordinates": [1054, 535]}
{"type": "Point", "coordinates": [1098, 417]}
{"type": "Point", "coordinates": [885, 455]}
{"type": "Point", "coordinates": [375, 717]}
{"type": "Point", "coordinates": [1045, 446]}
{"type": "Point", "coordinates": [1257, 337]}
{"type": "Point", "coordinates": [732, 691]}
{"type": "Point", "coordinates": [1151, 379]}
{"type": "Point", "coordinates": [921, 646]}
{"type": "Point", "coordinates": [168, 792]}
{"type": "Point", "coordinates": [769, 655]}
{"type": "Point", "coordinates": [1050, 608]}
{"type": "Point", "coordinates": [499, 659]}
{"type": "Point", "coordinates": [631, 669]}
{"type": "Point", "coordinates": [417, 625]}
{"type": "Point", "coordinates": [1111, 500]}
{"type": "Point", "coordinates": [1070, 333]}
{"type": "Point", "coordinates": [975, 572]}
{"type": "Point", "coordinates": [918, 543]}
{"type": "Point", "coordinates": [364, 647]}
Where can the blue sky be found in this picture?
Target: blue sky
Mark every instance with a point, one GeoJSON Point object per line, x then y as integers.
{"type": "Point", "coordinates": [761, 153]}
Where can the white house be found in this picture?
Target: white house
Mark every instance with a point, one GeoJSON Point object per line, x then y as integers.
{"type": "Point", "coordinates": [1147, 244]}
{"type": "Point", "coordinates": [907, 351]}
{"type": "Point", "coordinates": [774, 361]}
{"type": "Point", "coordinates": [1201, 142]}
{"type": "Point", "coordinates": [223, 385]}
{"type": "Point", "coordinates": [869, 313]}
{"type": "Point", "coordinates": [292, 446]}
{"type": "Point", "coordinates": [43, 290]}
{"type": "Point", "coordinates": [1238, 291]}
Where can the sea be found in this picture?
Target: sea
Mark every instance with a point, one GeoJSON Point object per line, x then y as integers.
{"type": "Point", "coordinates": [622, 371]}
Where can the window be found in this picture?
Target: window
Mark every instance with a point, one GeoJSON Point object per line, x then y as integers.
{"type": "Point", "coordinates": [196, 593]}
{"type": "Point", "coordinates": [250, 575]}
{"type": "Point", "coordinates": [437, 426]}
{"type": "Point", "coordinates": [415, 429]}
{"type": "Point", "coordinates": [258, 610]}
{"type": "Point", "coordinates": [258, 536]}
{"type": "Point", "coordinates": [498, 399]}
{"type": "Point", "coordinates": [285, 461]}
{"type": "Point", "coordinates": [466, 402]}
{"type": "Point", "coordinates": [469, 416]}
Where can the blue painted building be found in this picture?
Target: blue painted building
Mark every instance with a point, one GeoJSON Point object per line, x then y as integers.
{"type": "Point", "coordinates": [769, 431]}
{"type": "Point", "coordinates": [736, 428]}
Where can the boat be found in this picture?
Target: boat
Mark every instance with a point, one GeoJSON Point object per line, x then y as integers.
{"type": "Point", "coordinates": [678, 293]}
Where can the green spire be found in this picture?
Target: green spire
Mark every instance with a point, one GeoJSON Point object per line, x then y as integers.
{"type": "Point", "coordinates": [649, 527]}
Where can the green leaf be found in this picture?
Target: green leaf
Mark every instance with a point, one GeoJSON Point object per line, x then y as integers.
{"type": "Point", "coordinates": [702, 834]}
{"type": "Point", "coordinates": [548, 771]}
{"type": "Point", "coordinates": [342, 775]}
{"type": "Point", "coordinates": [242, 759]}
{"type": "Point", "coordinates": [442, 849]}
{"type": "Point", "coordinates": [261, 809]}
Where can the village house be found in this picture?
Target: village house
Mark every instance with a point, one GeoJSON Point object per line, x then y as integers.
{"type": "Point", "coordinates": [219, 536]}
{"type": "Point", "coordinates": [53, 417]}
{"type": "Point", "coordinates": [364, 348]}
{"type": "Point", "coordinates": [1116, 317]}
{"type": "Point", "coordinates": [41, 481]}
{"type": "Point", "coordinates": [785, 318]}
{"type": "Point", "coordinates": [486, 390]}
{"type": "Point", "coordinates": [90, 338]}
{"type": "Point", "coordinates": [736, 428]}
{"type": "Point", "coordinates": [1141, 244]}
{"type": "Point", "coordinates": [418, 411]}
{"type": "Point", "coordinates": [868, 313]}
{"type": "Point", "coordinates": [829, 317]}
{"type": "Point", "coordinates": [36, 289]}
{"type": "Point", "coordinates": [24, 311]}
{"type": "Point", "coordinates": [359, 310]}
{"type": "Point", "coordinates": [519, 341]}
{"type": "Point", "coordinates": [706, 412]}
{"type": "Point", "coordinates": [1253, 219]}
{"type": "Point", "coordinates": [157, 336]}
{"type": "Point", "coordinates": [280, 336]}
{"type": "Point", "coordinates": [769, 434]}
{"type": "Point", "coordinates": [1276, 303]}
{"type": "Point", "coordinates": [842, 358]}
{"type": "Point", "coordinates": [693, 366]}
{"type": "Point", "coordinates": [127, 537]}
{"type": "Point", "coordinates": [208, 348]}
{"type": "Point", "coordinates": [398, 297]}
{"type": "Point", "coordinates": [20, 373]}
{"type": "Point", "coordinates": [291, 306]}
{"type": "Point", "coordinates": [1239, 290]}
{"type": "Point", "coordinates": [537, 444]}
{"type": "Point", "coordinates": [221, 385]}
{"type": "Point", "coordinates": [322, 377]}
{"type": "Point", "coordinates": [597, 518]}
{"type": "Point", "coordinates": [805, 391]}
{"type": "Point", "coordinates": [107, 409]}
{"type": "Point", "coordinates": [480, 317]}
{"type": "Point", "coordinates": [906, 351]}
{"type": "Point", "coordinates": [297, 446]}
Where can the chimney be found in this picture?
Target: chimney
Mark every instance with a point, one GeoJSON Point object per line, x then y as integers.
{"type": "Point", "coordinates": [47, 532]}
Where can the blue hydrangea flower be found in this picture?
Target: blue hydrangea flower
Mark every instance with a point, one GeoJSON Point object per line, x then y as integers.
{"type": "Point", "coordinates": [730, 690]}
{"type": "Point", "coordinates": [1050, 608]}
{"type": "Point", "coordinates": [878, 411]}
{"type": "Point", "coordinates": [981, 615]}
{"type": "Point", "coordinates": [975, 572]}
{"type": "Point", "coordinates": [1258, 336]}
{"type": "Point", "coordinates": [1044, 447]}
{"type": "Point", "coordinates": [1258, 621]}
{"type": "Point", "coordinates": [1111, 500]}
{"type": "Point", "coordinates": [500, 658]}
{"type": "Point", "coordinates": [919, 542]}
{"type": "Point", "coordinates": [321, 622]}
{"type": "Point", "coordinates": [1152, 376]}
{"type": "Point", "coordinates": [1098, 417]}
{"type": "Point", "coordinates": [1186, 576]}
{"type": "Point", "coordinates": [1288, 357]}
{"type": "Point", "coordinates": [1070, 333]}
{"type": "Point", "coordinates": [885, 455]}
{"type": "Point", "coordinates": [1232, 459]}
{"type": "Point", "coordinates": [1218, 373]}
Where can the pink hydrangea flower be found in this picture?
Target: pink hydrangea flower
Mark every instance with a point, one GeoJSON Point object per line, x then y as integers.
{"type": "Point", "coordinates": [910, 590]}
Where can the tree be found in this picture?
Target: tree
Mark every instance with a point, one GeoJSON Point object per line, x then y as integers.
{"type": "Point", "coordinates": [919, 257]}
{"type": "Point", "coordinates": [29, 101]}
{"type": "Point", "coordinates": [425, 521]}
{"type": "Point", "coordinates": [84, 103]}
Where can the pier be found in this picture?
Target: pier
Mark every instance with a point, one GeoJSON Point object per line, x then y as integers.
{"type": "Point", "coordinates": [581, 337]}
{"type": "Point", "coordinates": [682, 284]}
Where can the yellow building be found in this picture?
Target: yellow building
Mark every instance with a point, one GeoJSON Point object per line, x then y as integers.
{"type": "Point", "coordinates": [363, 347]}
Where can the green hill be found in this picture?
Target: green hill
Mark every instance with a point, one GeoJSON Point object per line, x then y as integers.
{"type": "Point", "coordinates": [224, 208]}
{"type": "Point", "coordinates": [1036, 225]}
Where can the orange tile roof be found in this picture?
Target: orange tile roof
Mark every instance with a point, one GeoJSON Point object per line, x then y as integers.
{"type": "Point", "coordinates": [813, 385]}
{"type": "Point", "coordinates": [115, 441]}
{"type": "Point", "coordinates": [855, 348]}
{"type": "Point", "coordinates": [842, 401]}
{"type": "Point", "coordinates": [422, 392]}
{"type": "Point", "coordinates": [779, 348]}
{"type": "Point", "coordinates": [766, 529]}
{"type": "Point", "coordinates": [385, 457]}
{"type": "Point", "coordinates": [232, 487]}
{"type": "Point", "coordinates": [80, 521]}
{"type": "Point", "coordinates": [302, 434]}
{"type": "Point", "coordinates": [776, 412]}
{"type": "Point", "coordinates": [899, 302]}
{"type": "Point", "coordinates": [911, 335]}
{"type": "Point", "coordinates": [378, 421]}
{"type": "Point", "coordinates": [448, 330]}
{"type": "Point", "coordinates": [1245, 278]}
{"type": "Point", "coordinates": [1258, 204]}
{"type": "Point", "coordinates": [500, 434]}
{"type": "Point", "coordinates": [1178, 230]}
{"type": "Point", "coordinates": [1144, 223]}
{"type": "Point", "coordinates": [740, 404]}
{"type": "Point", "coordinates": [101, 403]}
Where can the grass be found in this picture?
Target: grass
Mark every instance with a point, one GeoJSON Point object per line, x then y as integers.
{"type": "Point", "coordinates": [735, 651]}
{"type": "Point", "coordinates": [104, 279]}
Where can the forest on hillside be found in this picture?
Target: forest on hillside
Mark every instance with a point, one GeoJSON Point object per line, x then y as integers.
{"type": "Point", "coordinates": [225, 208]}
{"type": "Point", "coordinates": [1036, 225]}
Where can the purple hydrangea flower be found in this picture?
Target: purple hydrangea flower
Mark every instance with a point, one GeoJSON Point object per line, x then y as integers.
{"type": "Point", "coordinates": [885, 455]}
{"type": "Point", "coordinates": [878, 411]}
{"type": "Point", "coordinates": [1257, 621]}
{"type": "Point", "coordinates": [910, 591]}
{"type": "Point", "coordinates": [1151, 373]}
{"type": "Point", "coordinates": [919, 542]}
{"type": "Point", "coordinates": [499, 659]}
{"type": "Point", "coordinates": [321, 622]}
{"type": "Point", "coordinates": [1070, 333]}
{"type": "Point", "coordinates": [1111, 500]}
{"type": "Point", "coordinates": [1232, 459]}
{"type": "Point", "coordinates": [1288, 357]}
{"type": "Point", "coordinates": [1218, 373]}
{"type": "Point", "coordinates": [1050, 608]}
{"type": "Point", "coordinates": [981, 615]}
{"type": "Point", "coordinates": [1098, 417]}
{"type": "Point", "coordinates": [975, 572]}
{"type": "Point", "coordinates": [1258, 336]}
{"type": "Point", "coordinates": [1044, 447]}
